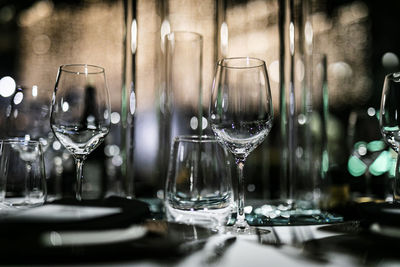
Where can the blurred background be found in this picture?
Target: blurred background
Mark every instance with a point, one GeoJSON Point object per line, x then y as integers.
{"type": "Point", "coordinates": [359, 39]}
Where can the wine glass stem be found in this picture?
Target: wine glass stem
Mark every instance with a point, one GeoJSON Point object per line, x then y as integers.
{"type": "Point", "coordinates": [240, 220]}
{"type": "Point", "coordinates": [27, 180]}
{"type": "Point", "coordinates": [79, 178]}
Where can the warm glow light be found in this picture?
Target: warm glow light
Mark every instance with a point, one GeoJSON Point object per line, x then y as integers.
{"type": "Point", "coordinates": [41, 44]}
{"type": "Point", "coordinates": [34, 91]}
{"type": "Point", "coordinates": [117, 160]}
{"type": "Point", "coordinates": [57, 160]}
{"type": "Point", "coordinates": [291, 38]}
{"type": "Point", "coordinates": [194, 123]}
{"type": "Point", "coordinates": [224, 39]}
{"type": "Point", "coordinates": [340, 70]}
{"type": "Point", "coordinates": [302, 119]}
{"type": "Point", "coordinates": [106, 114]}
{"type": "Point", "coordinates": [362, 150]}
{"type": "Point", "coordinates": [165, 29]}
{"type": "Point", "coordinates": [90, 119]}
{"type": "Point", "coordinates": [56, 145]}
{"type": "Point", "coordinates": [111, 150]}
{"type": "Point", "coordinates": [38, 11]}
{"type": "Point", "coordinates": [65, 106]}
{"type": "Point", "coordinates": [7, 86]}
{"type": "Point", "coordinates": [390, 60]}
{"type": "Point", "coordinates": [204, 123]}
{"type": "Point", "coordinates": [18, 98]}
{"type": "Point", "coordinates": [115, 117]}
{"type": "Point", "coordinates": [134, 36]}
{"type": "Point", "coordinates": [353, 13]}
{"type": "Point", "coordinates": [7, 13]}
{"type": "Point", "coordinates": [132, 103]}
{"type": "Point", "coordinates": [274, 71]}
{"type": "Point", "coordinates": [300, 72]}
{"type": "Point", "coordinates": [371, 111]}
{"type": "Point", "coordinates": [308, 32]}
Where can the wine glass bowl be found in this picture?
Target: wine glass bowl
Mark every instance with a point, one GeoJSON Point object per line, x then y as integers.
{"type": "Point", "coordinates": [389, 121]}
{"type": "Point", "coordinates": [80, 112]}
{"type": "Point", "coordinates": [241, 113]}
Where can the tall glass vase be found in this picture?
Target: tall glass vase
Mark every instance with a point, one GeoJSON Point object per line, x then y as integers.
{"type": "Point", "coordinates": [183, 103]}
{"type": "Point", "coordinates": [287, 97]}
{"type": "Point", "coordinates": [128, 105]}
{"type": "Point", "coordinates": [302, 187]}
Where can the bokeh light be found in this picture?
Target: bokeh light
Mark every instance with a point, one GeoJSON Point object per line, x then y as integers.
{"type": "Point", "coordinates": [7, 86]}
{"type": "Point", "coordinates": [390, 60]}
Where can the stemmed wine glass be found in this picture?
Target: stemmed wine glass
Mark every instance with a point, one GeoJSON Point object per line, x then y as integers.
{"type": "Point", "coordinates": [241, 114]}
{"type": "Point", "coordinates": [80, 112]}
{"type": "Point", "coordinates": [389, 121]}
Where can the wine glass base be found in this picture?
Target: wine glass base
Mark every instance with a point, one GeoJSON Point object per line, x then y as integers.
{"type": "Point", "coordinates": [247, 230]}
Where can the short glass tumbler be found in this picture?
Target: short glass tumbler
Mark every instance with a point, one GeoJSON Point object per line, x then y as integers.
{"type": "Point", "coordinates": [22, 174]}
{"type": "Point", "coordinates": [199, 185]}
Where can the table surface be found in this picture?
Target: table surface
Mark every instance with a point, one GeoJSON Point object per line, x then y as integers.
{"type": "Point", "coordinates": [156, 242]}
{"type": "Point", "coordinates": [292, 246]}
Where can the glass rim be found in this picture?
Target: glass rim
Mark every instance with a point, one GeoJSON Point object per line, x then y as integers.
{"type": "Point", "coordinates": [20, 141]}
{"type": "Point", "coordinates": [75, 68]}
{"type": "Point", "coordinates": [256, 63]}
{"type": "Point", "coordinates": [187, 36]}
{"type": "Point", "coordinates": [195, 138]}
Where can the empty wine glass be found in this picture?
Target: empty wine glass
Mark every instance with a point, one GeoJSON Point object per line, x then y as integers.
{"type": "Point", "coordinates": [241, 114]}
{"type": "Point", "coordinates": [80, 112]}
{"type": "Point", "coordinates": [389, 121]}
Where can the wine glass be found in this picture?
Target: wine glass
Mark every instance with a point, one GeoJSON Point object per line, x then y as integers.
{"type": "Point", "coordinates": [80, 112]}
{"type": "Point", "coordinates": [241, 114]}
{"type": "Point", "coordinates": [389, 121]}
